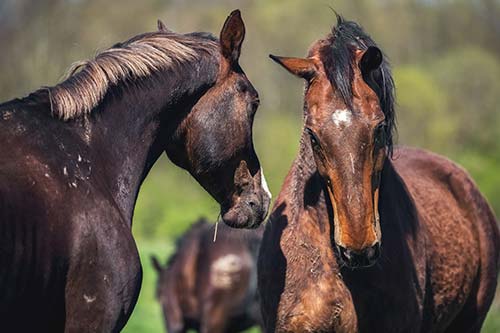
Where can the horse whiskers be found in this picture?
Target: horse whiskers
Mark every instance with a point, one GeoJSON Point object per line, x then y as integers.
{"type": "Point", "coordinates": [215, 229]}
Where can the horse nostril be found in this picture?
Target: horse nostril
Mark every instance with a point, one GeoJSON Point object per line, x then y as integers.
{"type": "Point", "coordinates": [357, 259]}
{"type": "Point", "coordinates": [251, 203]}
{"type": "Point", "coordinates": [345, 254]}
{"type": "Point", "coordinates": [372, 253]}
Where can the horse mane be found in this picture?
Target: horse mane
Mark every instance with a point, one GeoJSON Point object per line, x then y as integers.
{"type": "Point", "coordinates": [191, 235]}
{"type": "Point", "coordinates": [338, 59]}
{"type": "Point", "coordinates": [144, 55]}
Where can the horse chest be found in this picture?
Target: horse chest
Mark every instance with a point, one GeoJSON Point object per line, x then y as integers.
{"type": "Point", "coordinates": [315, 298]}
{"type": "Point", "coordinates": [322, 305]}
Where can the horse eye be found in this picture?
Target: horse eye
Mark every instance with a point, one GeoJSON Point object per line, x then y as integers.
{"type": "Point", "coordinates": [314, 139]}
{"type": "Point", "coordinates": [380, 136]}
{"type": "Point", "coordinates": [253, 105]}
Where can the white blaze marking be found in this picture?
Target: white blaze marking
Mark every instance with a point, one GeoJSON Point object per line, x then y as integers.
{"type": "Point", "coordinates": [224, 271]}
{"type": "Point", "coordinates": [342, 117]}
{"type": "Point", "coordinates": [264, 183]}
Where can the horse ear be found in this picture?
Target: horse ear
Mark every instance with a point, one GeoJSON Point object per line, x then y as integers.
{"type": "Point", "coordinates": [231, 37]}
{"type": "Point", "coordinates": [162, 27]}
{"type": "Point", "coordinates": [301, 67]}
{"type": "Point", "coordinates": [156, 264]}
{"type": "Point", "coordinates": [370, 60]}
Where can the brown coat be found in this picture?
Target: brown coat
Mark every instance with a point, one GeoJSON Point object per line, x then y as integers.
{"type": "Point", "coordinates": [439, 264]}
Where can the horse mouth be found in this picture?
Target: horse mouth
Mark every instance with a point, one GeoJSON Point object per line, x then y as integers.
{"type": "Point", "coordinates": [245, 214]}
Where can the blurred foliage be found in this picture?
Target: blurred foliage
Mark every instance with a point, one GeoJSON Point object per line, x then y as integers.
{"type": "Point", "coordinates": [469, 77]}
{"type": "Point", "coordinates": [445, 56]}
{"type": "Point", "coordinates": [425, 119]}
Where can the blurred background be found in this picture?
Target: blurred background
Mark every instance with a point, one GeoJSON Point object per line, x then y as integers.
{"type": "Point", "coordinates": [446, 64]}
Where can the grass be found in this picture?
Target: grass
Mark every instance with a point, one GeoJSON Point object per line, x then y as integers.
{"type": "Point", "coordinates": [492, 323]}
{"type": "Point", "coordinates": [147, 315]}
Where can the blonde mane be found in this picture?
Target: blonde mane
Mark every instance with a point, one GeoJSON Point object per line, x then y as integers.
{"type": "Point", "coordinates": [89, 81]}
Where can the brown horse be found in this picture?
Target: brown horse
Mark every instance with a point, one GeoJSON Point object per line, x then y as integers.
{"type": "Point", "coordinates": [73, 157]}
{"type": "Point", "coordinates": [363, 239]}
{"type": "Point", "coordinates": [211, 286]}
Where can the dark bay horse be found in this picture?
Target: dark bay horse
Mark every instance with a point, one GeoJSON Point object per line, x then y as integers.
{"type": "Point", "coordinates": [363, 238]}
{"type": "Point", "coordinates": [73, 157]}
{"type": "Point", "coordinates": [211, 286]}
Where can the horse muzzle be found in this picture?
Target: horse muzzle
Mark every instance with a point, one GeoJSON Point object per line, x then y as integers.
{"type": "Point", "coordinates": [359, 259]}
{"type": "Point", "coordinates": [249, 211]}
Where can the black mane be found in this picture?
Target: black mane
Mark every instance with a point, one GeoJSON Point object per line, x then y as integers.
{"type": "Point", "coordinates": [346, 37]}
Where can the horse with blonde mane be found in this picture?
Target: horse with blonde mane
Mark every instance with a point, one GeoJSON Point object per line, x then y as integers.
{"type": "Point", "coordinates": [74, 155]}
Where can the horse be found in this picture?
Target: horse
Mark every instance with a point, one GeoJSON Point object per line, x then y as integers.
{"type": "Point", "coordinates": [74, 155]}
{"type": "Point", "coordinates": [208, 286]}
{"type": "Point", "coordinates": [364, 237]}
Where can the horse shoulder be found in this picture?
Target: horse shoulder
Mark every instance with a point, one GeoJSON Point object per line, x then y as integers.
{"type": "Point", "coordinates": [60, 234]}
{"type": "Point", "coordinates": [314, 297]}
{"type": "Point", "coordinates": [104, 270]}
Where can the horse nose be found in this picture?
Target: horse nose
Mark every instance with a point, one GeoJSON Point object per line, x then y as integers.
{"type": "Point", "coordinates": [357, 259]}
{"type": "Point", "coordinates": [258, 207]}
{"type": "Point", "coordinates": [251, 203]}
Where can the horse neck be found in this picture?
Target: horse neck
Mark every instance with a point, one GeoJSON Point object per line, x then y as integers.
{"type": "Point", "coordinates": [303, 189]}
{"type": "Point", "coordinates": [396, 205]}
{"type": "Point", "coordinates": [128, 134]}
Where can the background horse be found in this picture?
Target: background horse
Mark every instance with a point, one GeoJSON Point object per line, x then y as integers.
{"type": "Point", "coordinates": [211, 286]}
{"type": "Point", "coordinates": [74, 155]}
{"type": "Point", "coordinates": [435, 234]}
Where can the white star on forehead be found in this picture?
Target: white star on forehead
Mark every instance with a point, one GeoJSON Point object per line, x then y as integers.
{"type": "Point", "coordinates": [342, 117]}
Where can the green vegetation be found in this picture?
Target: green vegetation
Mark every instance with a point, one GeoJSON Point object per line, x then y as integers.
{"type": "Point", "coordinates": [445, 56]}
{"type": "Point", "coordinates": [148, 316]}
